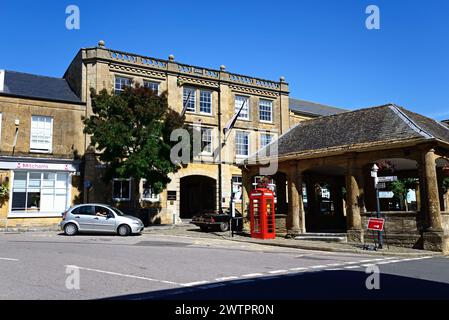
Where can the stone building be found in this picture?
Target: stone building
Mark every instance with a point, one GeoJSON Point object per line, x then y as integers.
{"type": "Point", "coordinates": [213, 97]}
{"type": "Point", "coordinates": [300, 110]}
{"type": "Point", "coordinates": [327, 162]}
{"type": "Point", "coordinates": [41, 146]}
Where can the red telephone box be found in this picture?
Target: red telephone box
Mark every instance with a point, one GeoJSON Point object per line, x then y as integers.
{"type": "Point", "coordinates": [262, 214]}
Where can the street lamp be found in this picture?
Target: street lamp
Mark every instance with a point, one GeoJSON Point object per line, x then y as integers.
{"type": "Point", "coordinates": [374, 171]}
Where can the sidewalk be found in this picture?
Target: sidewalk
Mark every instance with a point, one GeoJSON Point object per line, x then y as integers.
{"type": "Point", "coordinates": [187, 230]}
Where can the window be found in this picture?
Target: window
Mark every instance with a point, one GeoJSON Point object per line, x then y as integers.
{"type": "Point", "coordinates": [265, 110]}
{"type": "Point", "coordinates": [206, 140]}
{"type": "Point", "coordinates": [41, 134]}
{"type": "Point", "coordinates": [40, 192]}
{"type": "Point", "coordinates": [151, 85]}
{"type": "Point", "coordinates": [237, 188]}
{"type": "Point", "coordinates": [241, 143]}
{"type": "Point", "coordinates": [239, 101]}
{"type": "Point", "coordinates": [189, 93]}
{"type": "Point", "coordinates": [265, 139]}
{"type": "Point", "coordinates": [121, 189]}
{"type": "Point", "coordinates": [146, 192]}
{"type": "Point", "coordinates": [85, 210]}
{"type": "Point", "coordinates": [205, 101]}
{"type": "Point", "coordinates": [121, 83]}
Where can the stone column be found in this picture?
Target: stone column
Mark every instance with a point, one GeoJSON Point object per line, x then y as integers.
{"type": "Point", "coordinates": [431, 189]}
{"type": "Point", "coordinates": [433, 235]}
{"type": "Point", "coordinates": [295, 215]}
{"type": "Point", "coordinates": [353, 217]}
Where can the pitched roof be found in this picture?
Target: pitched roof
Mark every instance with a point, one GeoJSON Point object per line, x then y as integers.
{"type": "Point", "coordinates": [312, 108]}
{"type": "Point", "coordinates": [40, 87]}
{"type": "Point", "coordinates": [377, 125]}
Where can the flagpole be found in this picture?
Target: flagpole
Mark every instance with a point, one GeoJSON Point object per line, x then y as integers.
{"type": "Point", "coordinates": [220, 178]}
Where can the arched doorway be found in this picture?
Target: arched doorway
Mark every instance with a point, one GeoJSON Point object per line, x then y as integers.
{"type": "Point", "coordinates": [198, 194]}
{"type": "Point", "coordinates": [324, 199]}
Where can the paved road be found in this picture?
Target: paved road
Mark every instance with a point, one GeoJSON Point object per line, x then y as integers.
{"type": "Point", "coordinates": [152, 266]}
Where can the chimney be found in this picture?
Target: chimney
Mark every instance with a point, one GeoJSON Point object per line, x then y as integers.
{"type": "Point", "coordinates": [2, 80]}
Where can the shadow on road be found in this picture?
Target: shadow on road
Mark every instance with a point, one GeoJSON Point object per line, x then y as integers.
{"type": "Point", "coordinates": [310, 285]}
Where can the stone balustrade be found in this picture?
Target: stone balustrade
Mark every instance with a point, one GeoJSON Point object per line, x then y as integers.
{"type": "Point", "coordinates": [192, 70]}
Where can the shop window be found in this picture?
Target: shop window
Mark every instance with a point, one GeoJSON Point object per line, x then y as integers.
{"type": "Point", "coordinates": [40, 192]}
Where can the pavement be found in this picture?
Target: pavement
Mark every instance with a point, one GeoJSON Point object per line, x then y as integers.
{"type": "Point", "coordinates": [160, 266]}
{"type": "Point", "coordinates": [189, 230]}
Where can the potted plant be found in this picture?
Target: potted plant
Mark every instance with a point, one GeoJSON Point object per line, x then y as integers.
{"type": "Point", "coordinates": [4, 193]}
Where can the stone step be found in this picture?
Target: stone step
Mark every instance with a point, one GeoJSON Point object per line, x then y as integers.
{"type": "Point", "coordinates": [332, 237]}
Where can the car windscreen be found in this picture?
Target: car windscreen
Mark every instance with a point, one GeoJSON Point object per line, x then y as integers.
{"type": "Point", "coordinates": [117, 211]}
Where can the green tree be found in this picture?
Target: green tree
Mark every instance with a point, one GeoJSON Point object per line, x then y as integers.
{"type": "Point", "coordinates": [132, 133]}
{"type": "Point", "coordinates": [400, 189]}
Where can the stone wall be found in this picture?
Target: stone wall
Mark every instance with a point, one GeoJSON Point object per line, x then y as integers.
{"type": "Point", "coordinates": [401, 229]}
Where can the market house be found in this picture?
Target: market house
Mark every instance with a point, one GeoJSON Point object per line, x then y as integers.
{"type": "Point", "coordinates": [324, 164]}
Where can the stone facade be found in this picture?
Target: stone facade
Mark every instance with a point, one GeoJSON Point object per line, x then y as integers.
{"type": "Point", "coordinates": [97, 68]}
{"type": "Point", "coordinates": [16, 156]}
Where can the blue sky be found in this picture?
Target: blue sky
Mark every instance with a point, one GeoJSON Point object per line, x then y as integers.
{"type": "Point", "coordinates": [322, 47]}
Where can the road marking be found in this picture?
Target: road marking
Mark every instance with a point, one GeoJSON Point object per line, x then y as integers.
{"type": "Point", "coordinates": [368, 265]}
{"type": "Point", "coordinates": [124, 275]}
{"type": "Point", "coordinates": [318, 267]}
{"type": "Point", "coordinates": [277, 271]}
{"type": "Point", "coordinates": [9, 259]}
{"type": "Point", "coordinates": [351, 267]}
{"type": "Point", "coordinates": [226, 278]}
{"type": "Point", "coordinates": [298, 269]}
{"type": "Point", "coordinates": [353, 262]}
{"type": "Point", "coordinates": [249, 275]}
{"type": "Point", "coordinates": [190, 284]}
{"type": "Point", "coordinates": [384, 262]}
{"type": "Point", "coordinates": [334, 264]}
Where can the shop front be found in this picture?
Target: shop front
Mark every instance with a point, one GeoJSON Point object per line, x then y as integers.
{"type": "Point", "coordinates": [38, 192]}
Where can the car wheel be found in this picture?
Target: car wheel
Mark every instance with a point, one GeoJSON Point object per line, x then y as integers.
{"type": "Point", "coordinates": [124, 230]}
{"type": "Point", "coordinates": [224, 226]}
{"type": "Point", "coordinates": [70, 229]}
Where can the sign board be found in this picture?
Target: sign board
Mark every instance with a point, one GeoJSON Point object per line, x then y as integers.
{"type": "Point", "coordinates": [386, 194]}
{"type": "Point", "coordinates": [387, 179]}
{"type": "Point", "coordinates": [37, 166]}
{"type": "Point", "coordinates": [171, 195]}
{"type": "Point", "coordinates": [381, 185]}
{"type": "Point", "coordinates": [376, 224]}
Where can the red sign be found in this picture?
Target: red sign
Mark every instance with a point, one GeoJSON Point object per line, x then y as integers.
{"type": "Point", "coordinates": [376, 224]}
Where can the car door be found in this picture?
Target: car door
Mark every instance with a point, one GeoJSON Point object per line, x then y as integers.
{"type": "Point", "coordinates": [85, 215]}
{"type": "Point", "coordinates": [104, 223]}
